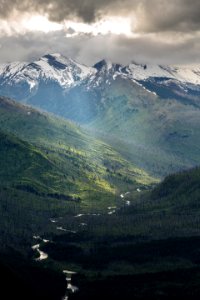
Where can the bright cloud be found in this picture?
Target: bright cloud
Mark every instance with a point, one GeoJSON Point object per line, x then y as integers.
{"type": "Point", "coordinates": [113, 25]}
{"type": "Point", "coordinates": [165, 31]}
{"type": "Point", "coordinates": [21, 24]}
{"type": "Point", "coordinates": [27, 22]}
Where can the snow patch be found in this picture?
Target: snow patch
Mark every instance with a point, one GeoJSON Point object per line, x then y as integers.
{"type": "Point", "coordinates": [66, 72]}
{"type": "Point", "coordinates": [185, 74]}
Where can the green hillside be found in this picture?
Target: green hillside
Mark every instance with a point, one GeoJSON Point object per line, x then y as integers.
{"type": "Point", "coordinates": [23, 165]}
{"type": "Point", "coordinates": [49, 155]}
{"type": "Point", "coordinates": [101, 215]}
{"type": "Point", "coordinates": [152, 245]}
{"type": "Point", "coordinates": [159, 135]}
{"type": "Point", "coordinates": [181, 190]}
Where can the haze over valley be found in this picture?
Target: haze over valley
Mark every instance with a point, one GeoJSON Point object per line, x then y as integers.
{"type": "Point", "coordinates": [100, 149]}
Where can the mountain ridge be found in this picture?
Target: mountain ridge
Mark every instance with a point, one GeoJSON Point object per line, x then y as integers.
{"type": "Point", "coordinates": [157, 113]}
{"type": "Point", "coordinates": [134, 70]}
{"type": "Point", "coordinates": [58, 157]}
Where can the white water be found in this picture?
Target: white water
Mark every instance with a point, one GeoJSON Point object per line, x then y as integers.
{"type": "Point", "coordinates": [123, 196]}
{"type": "Point", "coordinates": [67, 272]}
{"type": "Point", "coordinates": [79, 215]}
{"type": "Point", "coordinates": [36, 237]}
{"type": "Point", "coordinates": [42, 254]}
{"type": "Point", "coordinates": [45, 241]}
{"type": "Point", "coordinates": [61, 228]}
{"type": "Point", "coordinates": [112, 212]}
{"type": "Point", "coordinates": [53, 221]}
{"type": "Point", "coordinates": [70, 287]}
{"type": "Point", "coordinates": [35, 247]}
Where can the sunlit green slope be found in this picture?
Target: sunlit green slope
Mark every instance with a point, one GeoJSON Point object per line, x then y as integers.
{"type": "Point", "coordinates": [48, 155]}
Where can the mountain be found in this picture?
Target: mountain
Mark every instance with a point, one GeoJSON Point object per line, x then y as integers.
{"type": "Point", "coordinates": [64, 71]}
{"type": "Point", "coordinates": [151, 245]}
{"type": "Point", "coordinates": [44, 80]}
{"type": "Point", "coordinates": [148, 113]}
{"type": "Point", "coordinates": [53, 157]}
{"type": "Point", "coordinates": [148, 240]}
{"type": "Point", "coordinates": [51, 171]}
{"type": "Point", "coordinates": [176, 190]}
{"type": "Point", "coordinates": [168, 82]}
{"type": "Point", "coordinates": [81, 200]}
{"type": "Point", "coordinates": [185, 74]}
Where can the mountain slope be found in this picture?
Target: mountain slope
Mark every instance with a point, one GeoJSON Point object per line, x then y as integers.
{"type": "Point", "coordinates": [159, 134]}
{"type": "Point", "coordinates": [50, 81]}
{"type": "Point", "coordinates": [187, 74]}
{"type": "Point", "coordinates": [110, 249]}
{"type": "Point", "coordinates": [178, 188]}
{"type": "Point", "coordinates": [61, 158]}
{"type": "Point", "coordinates": [152, 244]}
{"type": "Point", "coordinates": [45, 79]}
{"type": "Point", "coordinates": [64, 71]}
{"type": "Point", "coordinates": [23, 164]}
{"type": "Point", "coordinates": [149, 113]}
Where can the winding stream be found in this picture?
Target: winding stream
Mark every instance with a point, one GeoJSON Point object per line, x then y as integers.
{"type": "Point", "coordinates": [70, 287]}
{"type": "Point", "coordinates": [42, 254]}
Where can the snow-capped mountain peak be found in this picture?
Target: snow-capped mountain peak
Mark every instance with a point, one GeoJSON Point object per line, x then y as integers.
{"type": "Point", "coordinates": [11, 69]}
{"type": "Point", "coordinates": [184, 74]}
{"type": "Point", "coordinates": [54, 67]}
{"type": "Point", "coordinates": [53, 72]}
{"type": "Point", "coordinates": [107, 66]}
{"type": "Point", "coordinates": [58, 59]}
{"type": "Point", "coordinates": [103, 65]}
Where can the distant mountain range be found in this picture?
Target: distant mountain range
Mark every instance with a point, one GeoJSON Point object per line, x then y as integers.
{"type": "Point", "coordinates": [54, 80]}
{"type": "Point", "coordinates": [149, 113]}
{"type": "Point", "coordinates": [67, 73]}
{"type": "Point", "coordinates": [75, 194]}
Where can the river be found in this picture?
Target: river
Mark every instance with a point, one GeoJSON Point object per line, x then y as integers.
{"type": "Point", "coordinates": [70, 287]}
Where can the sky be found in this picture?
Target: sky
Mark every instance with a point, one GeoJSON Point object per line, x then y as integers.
{"type": "Point", "coordinates": [144, 31]}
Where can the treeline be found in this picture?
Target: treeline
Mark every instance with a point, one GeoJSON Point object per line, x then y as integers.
{"type": "Point", "coordinates": [31, 189]}
{"type": "Point", "coordinates": [23, 215]}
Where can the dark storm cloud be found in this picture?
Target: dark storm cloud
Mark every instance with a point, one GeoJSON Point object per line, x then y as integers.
{"type": "Point", "coordinates": [171, 15]}
{"type": "Point", "coordinates": [168, 31]}
{"type": "Point", "coordinates": [151, 15]}
{"type": "Point", "coordinates": [58, 10]}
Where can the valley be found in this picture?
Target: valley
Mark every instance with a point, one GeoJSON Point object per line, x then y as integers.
{"type": "Point", "coordinates": [99, 180]}
{"type": "Point", "coordinates": [137, 109]}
